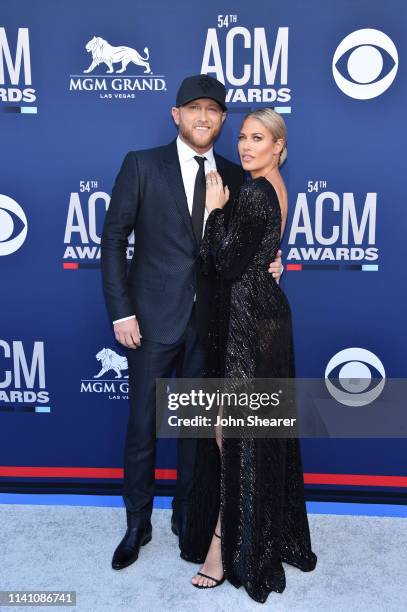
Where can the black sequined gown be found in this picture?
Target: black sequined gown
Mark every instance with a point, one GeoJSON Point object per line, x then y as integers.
{"type": "Point", "coordinates": [258, 484]}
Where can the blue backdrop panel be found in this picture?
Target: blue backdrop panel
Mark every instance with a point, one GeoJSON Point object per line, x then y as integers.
{"type": "Point", "coordinates": [68, 114]}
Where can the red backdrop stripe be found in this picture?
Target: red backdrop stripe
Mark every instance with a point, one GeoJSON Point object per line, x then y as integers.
{"type": "Point", "coordinates": [171, 474]}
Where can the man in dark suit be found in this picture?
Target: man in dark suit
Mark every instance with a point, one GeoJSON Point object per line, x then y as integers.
{"type": "Point", "coordinates": [160, 307]}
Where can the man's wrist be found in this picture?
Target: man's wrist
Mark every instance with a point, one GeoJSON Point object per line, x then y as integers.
{"type": "Point", "coordinates": [124, 319]}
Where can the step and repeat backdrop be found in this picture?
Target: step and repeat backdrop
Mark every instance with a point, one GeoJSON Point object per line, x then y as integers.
{"type": "Point", "coordinates": [81, 84]}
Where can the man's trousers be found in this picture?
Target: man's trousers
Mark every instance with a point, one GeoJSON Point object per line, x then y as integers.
{"type": "Point", "coordinates": [146, 363]}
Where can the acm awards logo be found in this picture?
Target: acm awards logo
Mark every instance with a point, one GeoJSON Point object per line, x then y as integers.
{"type": "Point", "coordinates": [368, 56]}
{"type": "Point", "coordinates": [84, 222]}
{"type": "Point", "coordinates": [109, 61]}
{"type": "Point", "coordinates": [22, 376]}
{"type": "Point", "coordinates": [263, 75]}
{"type": "Point", "coordinates": [371, 60]}
{"type": "Point", "coordinates": [15, 68]}
{"type": "Point", "coordinates": [333, 227]}
{"type": "Point", "coordinates": [111, 377]}
{"type": "Point", "coordinates": [13, 225]}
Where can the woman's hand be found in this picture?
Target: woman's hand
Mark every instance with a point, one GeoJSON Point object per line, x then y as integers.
{"type": "Point", "coordinates": [216, 194]}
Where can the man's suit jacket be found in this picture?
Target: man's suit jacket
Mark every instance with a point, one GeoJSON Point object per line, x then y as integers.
{"type": "Point", "coordinates": [149, 197]}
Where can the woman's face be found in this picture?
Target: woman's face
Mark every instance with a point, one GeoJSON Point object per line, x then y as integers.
{"type": "Point", "coordinates": [257, 149]}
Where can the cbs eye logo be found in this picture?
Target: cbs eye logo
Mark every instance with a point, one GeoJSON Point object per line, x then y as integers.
{"type": "Point", "coordinates": [371, 60]}
{"type": "Point", "coordinates": [13, 225]}
{"type": "Point", "coordinates": [352, 369]}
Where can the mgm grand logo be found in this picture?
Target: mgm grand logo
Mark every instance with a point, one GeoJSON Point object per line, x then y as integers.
{"type": "Point", "coordinates": [111, 378]}
{"type": "Point", "coordinates": [108, 61]}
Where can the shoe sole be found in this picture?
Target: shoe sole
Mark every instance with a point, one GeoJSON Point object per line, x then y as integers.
{"type": "Point", "coordinates": [146, 540]}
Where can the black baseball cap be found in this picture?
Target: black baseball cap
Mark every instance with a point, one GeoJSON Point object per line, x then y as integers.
{"type": "Point", "coordinates": [201, 86]}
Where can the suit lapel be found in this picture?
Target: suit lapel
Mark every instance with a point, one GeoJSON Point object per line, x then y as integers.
{"type": "Point", "coordinates": [173, 176]}
{"type": "Point", "coordinates": [227, 172]}
{"type": "Point", "coordinates": [220, 167]}
{"type": "Point", "coordinates": [230, 180]}
{"type": "Point", "coordinates": [172, 173]}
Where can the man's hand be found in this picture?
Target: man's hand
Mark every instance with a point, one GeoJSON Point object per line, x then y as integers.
{"type": "Point", "coordinates": [128, 333]}
{"type": "Point", "coordinates": [276, 268]}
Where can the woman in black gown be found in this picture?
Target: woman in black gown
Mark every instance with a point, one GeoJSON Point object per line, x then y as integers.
{"type": "Point", "coordinates": [247, 512]}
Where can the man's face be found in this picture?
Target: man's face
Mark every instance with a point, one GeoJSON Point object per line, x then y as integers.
{"type": "Point", "coordinates": [199, 122]}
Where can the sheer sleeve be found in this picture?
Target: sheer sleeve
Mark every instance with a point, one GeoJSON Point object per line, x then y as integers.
{"type": "Point", "coordinates": [230, 249]}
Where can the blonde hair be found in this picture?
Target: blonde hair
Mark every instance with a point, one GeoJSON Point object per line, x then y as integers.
{"type": "Point", "coordinates": [274, 122]}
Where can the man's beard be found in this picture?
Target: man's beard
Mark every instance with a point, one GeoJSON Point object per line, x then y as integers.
{"type": "Point", "coordinates": [189, 136]}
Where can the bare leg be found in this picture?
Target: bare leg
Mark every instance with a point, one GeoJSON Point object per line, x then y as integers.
{"type": "Point", "coordinates": [213, 562]}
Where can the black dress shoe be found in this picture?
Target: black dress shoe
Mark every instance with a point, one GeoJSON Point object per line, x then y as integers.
{"type": "Point", "coordinates": [127, 551]}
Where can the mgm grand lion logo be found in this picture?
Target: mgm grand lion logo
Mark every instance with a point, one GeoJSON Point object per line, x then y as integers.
{"type": "Point", "coordinates": [105, 53]}
{"type": "Point", "coordinates": [111, 361]}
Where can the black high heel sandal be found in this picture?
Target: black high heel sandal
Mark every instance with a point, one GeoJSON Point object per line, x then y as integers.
{"type": "Point", "coordinates": [210, 586]}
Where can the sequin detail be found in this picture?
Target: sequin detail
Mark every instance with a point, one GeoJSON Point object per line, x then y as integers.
{"type": "Point", "coordinates": [258, 484]}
